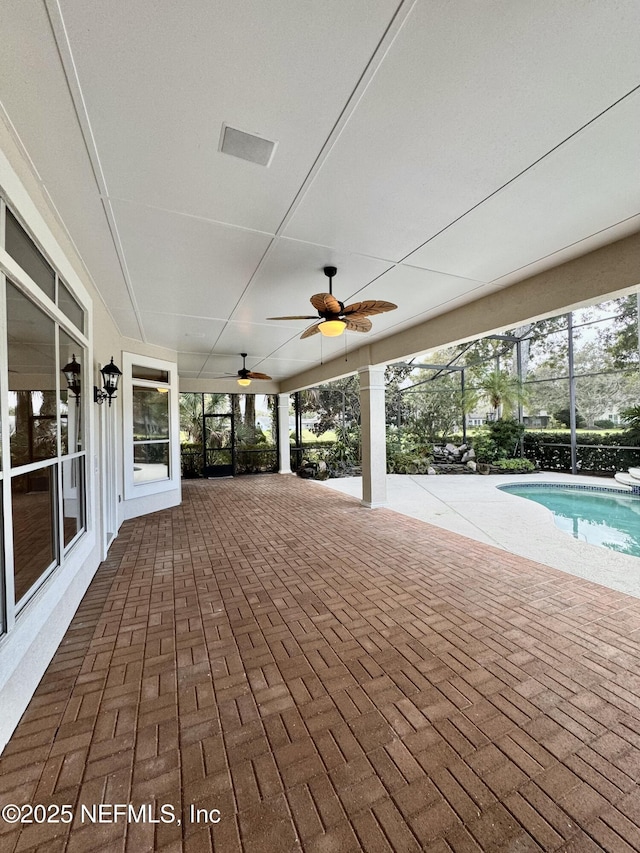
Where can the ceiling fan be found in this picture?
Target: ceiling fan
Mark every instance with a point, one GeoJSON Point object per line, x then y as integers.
{"type": "Point", "coordinates": [335, 317]}
{"type": "Point", "coordinates": [245, 376]}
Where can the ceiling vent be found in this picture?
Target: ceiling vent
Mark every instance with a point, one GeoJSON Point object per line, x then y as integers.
{"type": "Point", "coordinates": [247, 146]}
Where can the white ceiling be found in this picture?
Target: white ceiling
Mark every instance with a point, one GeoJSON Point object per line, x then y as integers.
{"type": "Point", "coordinates": [433, 151]}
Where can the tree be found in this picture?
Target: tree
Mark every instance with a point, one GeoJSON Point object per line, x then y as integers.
{"type": "Point", "coordinates": [397, 406]}
{"type": "Point", "coordinates": [621, 338]}
{"type": "Point", "coordinates": [434, 405]}
{"type": "Point", "coordinates": [192, 409]}
{"type": "Point", "coordinates": [250, 418]}
{"type": "Point", "coordinates": [563, 416]}
{"type": "Point", "coordinates": [599, 389]}
{"type": "Point", "coordinates": [503, 391]}
{"type": "Point", "coordinates": [336, 405]}
{"type": "Point", "coordinates": [631, 418]}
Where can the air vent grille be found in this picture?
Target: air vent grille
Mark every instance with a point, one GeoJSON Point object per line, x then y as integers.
{"type": "Point", "coordinates": [247, 146]}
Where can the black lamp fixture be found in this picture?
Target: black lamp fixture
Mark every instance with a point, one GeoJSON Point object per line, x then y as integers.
{"type": "Point", "coordinates": [72, 375]}
{"type": "Point", "coordinates": [110, 376]}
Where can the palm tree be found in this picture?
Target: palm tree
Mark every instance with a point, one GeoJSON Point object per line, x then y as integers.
{"type": "Point", "coordinates": [250, 418]}
{"type": "Point", "coordinates": [503, 391]}
{"type": "Point", "coordinates": [191, 412]}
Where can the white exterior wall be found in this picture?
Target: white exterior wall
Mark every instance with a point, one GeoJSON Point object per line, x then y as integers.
{"type": "Point", "coordinates": [34, 634]}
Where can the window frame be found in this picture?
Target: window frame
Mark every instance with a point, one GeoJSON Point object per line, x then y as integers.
{"type": "Point", "coordinates": [132, 489]}
{"type": "Point", "coordinates": [83, 541]}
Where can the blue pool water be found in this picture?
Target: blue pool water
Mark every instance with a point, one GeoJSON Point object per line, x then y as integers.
{"type": "Point", "coordinates": [607, 518]}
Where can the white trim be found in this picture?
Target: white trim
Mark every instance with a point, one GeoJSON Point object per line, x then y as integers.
{"type": "Point", "coordinates": [108, 452]}
{"type": "Point", "coordinates": [29, 288]}
{"type": "Point", "coordinates": [7, 590]}
{"type": "Point", "coordinates": [31, 638]}
{"type": "Point", "coordinates": [29, 216]}
{"type": "Point", "coordinates": [133, 490]}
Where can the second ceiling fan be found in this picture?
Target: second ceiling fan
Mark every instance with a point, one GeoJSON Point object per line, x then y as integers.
{"type": "Point", "coordinates": [244, 375]}
{"type": "Point", "coordinates": [334, 317]}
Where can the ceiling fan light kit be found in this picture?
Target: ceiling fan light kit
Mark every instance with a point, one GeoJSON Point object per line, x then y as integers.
{"type": "Point", "coordinates": [245, 375]}
{"type": "Point", "coordinates": [332, 328]}
{"type": "Point", "coordinates": [334, 317]}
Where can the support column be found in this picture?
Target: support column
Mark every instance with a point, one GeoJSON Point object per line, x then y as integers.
{"type": "Point", "coordinates": [284, 451]}
{"type": "Point", "coordinates": [572, 396]}
{"type": "Point", "coordinates": [374, 446]}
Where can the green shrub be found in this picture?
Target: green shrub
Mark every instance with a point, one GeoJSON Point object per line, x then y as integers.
{"type": "Point", "coordinates": [596, 454]}
{"type": "Point", "coordinates": [498, 440]}
{"type": "Point", "coordinates": [506, 434]}
{"type": "Point", "coordinates": [407, 463]}
{"type": "Point", "coordinates": [515, 465]}
{"type": "Point", "coordinates": [631, 417]}
{"type": "Point", "coordinates": [485, 447]}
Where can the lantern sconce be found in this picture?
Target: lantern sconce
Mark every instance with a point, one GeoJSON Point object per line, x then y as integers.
{"type": "Point", "coordinates": [72, 375]}
{"type": "Point", "coordinates": [110, 376]}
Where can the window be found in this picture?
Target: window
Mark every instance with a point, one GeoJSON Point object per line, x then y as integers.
{"type": "Point", "coordinates": [70, 306]}
{"type": "Point", "coordinates": [32, 380]}
{"type": "Point", "coordinates": [25, 252]}
{"type": "Point", "coordinates": [46, 440]}
{"type": "Point", "coordinates": [150, 434]}
{"type": "Point", "coordinates": [34, 539]}
{"type": "Point", "coordinates": [150, 400]}
{"type": "Point", "coordinates": [44, 463]}
{"type": "Point", "coordinates": [153, 374]}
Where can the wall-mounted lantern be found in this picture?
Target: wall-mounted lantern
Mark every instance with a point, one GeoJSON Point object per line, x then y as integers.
{"type": "Point", "coordinates": [110, 376]}
{"type": "Point", "coordinates": [72, 375]}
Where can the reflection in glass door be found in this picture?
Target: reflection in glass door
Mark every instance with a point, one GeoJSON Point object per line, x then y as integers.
{"type": "Point", "coordinates": [218, 446]}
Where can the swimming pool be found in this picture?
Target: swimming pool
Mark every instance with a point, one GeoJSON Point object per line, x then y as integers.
{"type": "Point", "coordinates": [606, 517]}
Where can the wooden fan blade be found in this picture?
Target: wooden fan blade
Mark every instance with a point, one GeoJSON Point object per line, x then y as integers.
{"type": "Point", "coordinates": [369, 307]}
{"type": "Point", "coordinates": [312, 330]}
{"type": "Point", "coordinates": [295, 317]}
{"type": "Point", "coordinates": [358, 323]}
{"type": "Point", "coordinates": [325, 302]}
{"type": "Point", "coordinates": [253, 375]}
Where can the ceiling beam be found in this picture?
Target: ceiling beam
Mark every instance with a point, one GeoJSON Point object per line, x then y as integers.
{"type": "Point", "coordinates": [610, 271]}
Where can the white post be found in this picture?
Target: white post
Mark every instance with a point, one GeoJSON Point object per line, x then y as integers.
{"type": "Point", "coordinates": [374, 446]}
{"type": "Point", "coordinates": [284, 452]}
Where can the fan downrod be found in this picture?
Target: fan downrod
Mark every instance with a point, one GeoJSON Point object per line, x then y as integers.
{"type": "Point", "coordinates": [330, 272]}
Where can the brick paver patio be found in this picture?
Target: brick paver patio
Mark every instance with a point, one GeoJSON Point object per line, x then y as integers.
{"type": "Point", "coordinates": [330, 679]}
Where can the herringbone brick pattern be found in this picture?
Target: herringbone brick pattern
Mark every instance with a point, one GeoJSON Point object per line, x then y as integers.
{"type": "Point", "coordinates": [331, 679]}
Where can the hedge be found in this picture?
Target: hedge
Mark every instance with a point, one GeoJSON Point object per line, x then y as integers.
{"type": "Point", "coordinates": [595, 453]}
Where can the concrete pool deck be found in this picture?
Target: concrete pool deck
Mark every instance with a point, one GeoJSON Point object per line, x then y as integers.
{"type": "Point", "coordinates": [474, 506]}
